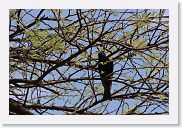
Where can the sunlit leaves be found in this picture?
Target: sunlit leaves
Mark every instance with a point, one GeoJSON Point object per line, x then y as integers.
{"type": "Point", "coordinates": [115, 13]}
{"type": "Point", "coordinates": [138, 43]}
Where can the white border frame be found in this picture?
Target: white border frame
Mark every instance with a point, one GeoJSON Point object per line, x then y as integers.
{"type": "Point", "coordinates": [172, 118]}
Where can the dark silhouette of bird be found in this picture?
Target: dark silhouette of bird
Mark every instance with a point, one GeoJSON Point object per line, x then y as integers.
{"type": "Point", "coordinates": [105, 67]}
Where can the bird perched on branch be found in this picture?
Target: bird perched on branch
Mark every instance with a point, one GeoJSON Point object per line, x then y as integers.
{"type": "Point", "coordinates": [105, 67]}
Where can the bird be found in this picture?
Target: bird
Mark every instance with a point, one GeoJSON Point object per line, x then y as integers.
{"type": "Point", "coordinates": [105, 67]}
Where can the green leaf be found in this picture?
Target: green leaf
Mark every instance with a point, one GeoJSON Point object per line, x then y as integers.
{"type": "Point", "coordinates": [115, 13]}
{"type": "Point", "coordinates": [88, 91]}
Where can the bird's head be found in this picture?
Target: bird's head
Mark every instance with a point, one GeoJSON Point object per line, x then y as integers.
{"type": "Point", "coordinates": [102, 56]}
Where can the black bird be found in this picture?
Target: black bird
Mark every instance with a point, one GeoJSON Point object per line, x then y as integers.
{"type": "Point", "coordinates": [105, 67]}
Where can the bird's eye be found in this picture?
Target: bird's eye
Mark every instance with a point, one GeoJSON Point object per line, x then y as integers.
{"type": "Point", "coordinates": [110, 58]}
